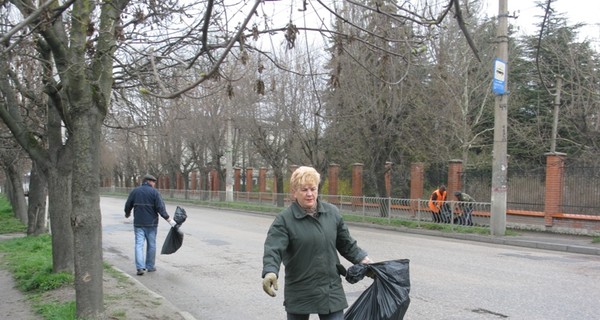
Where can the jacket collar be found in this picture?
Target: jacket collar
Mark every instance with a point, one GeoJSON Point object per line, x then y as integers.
{"type": "Point", "coordinates": [299, 212]}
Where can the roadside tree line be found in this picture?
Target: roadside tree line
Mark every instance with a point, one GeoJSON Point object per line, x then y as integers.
{"type": "Point", "coordinates": [122, 88]}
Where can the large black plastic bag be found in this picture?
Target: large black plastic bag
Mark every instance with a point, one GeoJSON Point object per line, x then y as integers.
{"type": "Point", "coordinates": [174, 238]}
{"type": "Point", "coordinates": [179, 216]}
{"type": "Point", "coordinates": [387, 298]}
{"type": "Point", "coordinates": [173, 241]}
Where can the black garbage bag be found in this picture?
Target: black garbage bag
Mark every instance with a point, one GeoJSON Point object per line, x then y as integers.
{"type": "Point", "coordinates": [179, 216]}
{"type": "Point", "coordinates": [173, 241]}
{"type": "Point", "coordinates": [388, 297]}
{"type": "Point", "coordinates": [174, 238]}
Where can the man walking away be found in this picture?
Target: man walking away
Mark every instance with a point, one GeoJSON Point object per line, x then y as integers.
{"type": "Point", "coordinates": [147, 204]}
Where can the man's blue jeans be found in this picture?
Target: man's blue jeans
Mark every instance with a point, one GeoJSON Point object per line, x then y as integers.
{"type": "Point", "coordinates": [147, 235]}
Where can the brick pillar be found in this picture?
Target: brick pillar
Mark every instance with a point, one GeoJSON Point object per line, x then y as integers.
{"type": "Point", "coordinates": [357, 182]}
{"type": "Point", "coordinates": [262, 179]}
{"type": "Point", "coordinates": [179, 181]}
{"type": "Point", "coordinates": [200, 181]}
{"type": "Point", "coordinates": [249, 181]}
{"type": "Point", "coordinates": [454, 181]}
{"type": "Point", "coordinates": [388, 179]}
{"type": "Point", "coordinates": [194, 180]}
{"type": "Point", "coordinates": [334, 173]}
{"type": "Point", "coordinates": [164, 182]}
{"type": "Point", "coordinates": [214, 180]}
{"type": "Point", "coordinates": [237, 174]}
{"type": "Point", "coordinates": [555, 167]}
{"type": "Point", "coordinates": [416, 185]}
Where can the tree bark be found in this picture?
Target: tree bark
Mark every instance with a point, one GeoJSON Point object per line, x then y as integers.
{"type": "Point", "coordinates": [17, 194]}
{"type": "Point", "coordinates": [279, 191]}
{"type": "Point", "coordinates": [86, 218]}
{"type": "Point", "coordinates": [60, 211]}
{"type": "Point", "coordinates": [36, 211]}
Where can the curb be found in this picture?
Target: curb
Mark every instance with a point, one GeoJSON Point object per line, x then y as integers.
{"type": "Point", "coordinates": [530, 244]}
{"type": "Point", "coordinates": [506, 240]}
{"type": "Point", "coordinates": [184, 314]}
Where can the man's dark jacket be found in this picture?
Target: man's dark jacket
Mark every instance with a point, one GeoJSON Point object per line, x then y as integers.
{"type": "Point", "coordinates": [147, 204]}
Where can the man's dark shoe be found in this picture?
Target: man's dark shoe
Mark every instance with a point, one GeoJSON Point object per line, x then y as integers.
{"type": "Point", "coordinates": [151, 269]}
{"type": "Point", "coordinates": [140, 272]}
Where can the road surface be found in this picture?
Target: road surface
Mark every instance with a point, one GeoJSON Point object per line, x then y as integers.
{"type": "Point", "coordinates": [216, 273]}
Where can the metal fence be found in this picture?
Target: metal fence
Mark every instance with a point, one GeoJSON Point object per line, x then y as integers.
{"type": "Point", "coordinates": [358, 207]}
{"type": "Point", "coordinates": [527, 189]}
{"type": "Point", "coordinates": [581, 193]}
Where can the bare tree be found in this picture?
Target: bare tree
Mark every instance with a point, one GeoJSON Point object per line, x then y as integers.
{"type": "Point", "coordinates": [459, 95]}
{"type": "Point", "coordinates": [10, 160]}
{"type": "Point", "coordinates": [32, 119]}
{"type": "Point", "coordinates": [95, 47]}
{"type": "Point", "coordinates": [555, 52]}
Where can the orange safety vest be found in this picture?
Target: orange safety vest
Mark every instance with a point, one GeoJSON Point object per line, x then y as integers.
{"type": "Point", "coordinates": [434, 204]}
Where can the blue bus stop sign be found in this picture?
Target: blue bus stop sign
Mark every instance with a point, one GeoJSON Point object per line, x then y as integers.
{"type": "Point", "coordinates": [499, 81]}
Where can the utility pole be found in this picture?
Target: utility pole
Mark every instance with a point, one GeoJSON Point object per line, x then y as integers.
{"type": "Point", "coordinates": [555, 119]}
{"type": "Point", "coordinates": [500, 157]}
{"type": "Point", "coordinates": [229, 163]}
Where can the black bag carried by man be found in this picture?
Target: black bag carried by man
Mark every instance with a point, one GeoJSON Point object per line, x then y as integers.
{"type": "Point", "coordinates": [174, 238]}
{"type": "Point", "coordinates": [387, 298]}
{"type": "Point", "coordinates": [179, 216]}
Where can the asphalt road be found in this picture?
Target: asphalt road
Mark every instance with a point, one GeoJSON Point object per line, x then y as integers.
{"type": "Point", "coordinates": [216, 273]}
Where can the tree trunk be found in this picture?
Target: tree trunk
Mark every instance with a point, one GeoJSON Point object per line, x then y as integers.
{"type": "Point", "coordinates": [17, 194]}
{"type": "Point", "coordinates": [36, 210]}
{"type": "Point", "coordinates": [280, 196]}
{"type": "Point", "coordinates": [86, 219]}
{"type": "Point", "coordinates": [59, 194]}
{"type": "Point", "coordinates": [186, 184]}
{"type": "Point", "coordinates": [382, 191]}
{"type": "Point", "coordinates": [204, 186]}
{"type": "Point", "coordinates": [59, 210]}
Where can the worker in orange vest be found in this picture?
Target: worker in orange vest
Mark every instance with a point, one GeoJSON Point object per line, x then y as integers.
{"type": "Point", "coordinates": [436, 203]}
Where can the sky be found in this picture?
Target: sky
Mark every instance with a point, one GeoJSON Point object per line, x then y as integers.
{"type": "Point", "coordinates": [528, 14]}
{"type": "Point", "coordinates": [585, 11]}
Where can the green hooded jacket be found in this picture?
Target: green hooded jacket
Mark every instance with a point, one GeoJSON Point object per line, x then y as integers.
{"type": "Point", "coordinates": [308, 246]}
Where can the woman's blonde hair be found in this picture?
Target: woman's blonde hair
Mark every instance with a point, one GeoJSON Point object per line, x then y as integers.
{"type": "Point", "coordinates": [303, 176]}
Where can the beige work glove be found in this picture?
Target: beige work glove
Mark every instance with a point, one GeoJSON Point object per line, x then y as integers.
{"type": "Point", "coordinates": [270, 280]}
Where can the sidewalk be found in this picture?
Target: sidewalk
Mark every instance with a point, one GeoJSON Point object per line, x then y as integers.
{"type": "Point", "coordinates": [532, 239]}
{"type": "Point", "coordinates": [15, 305]}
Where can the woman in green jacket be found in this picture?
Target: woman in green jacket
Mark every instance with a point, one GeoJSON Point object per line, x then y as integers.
{"type": "Point", "coordinates": [306, 238]}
